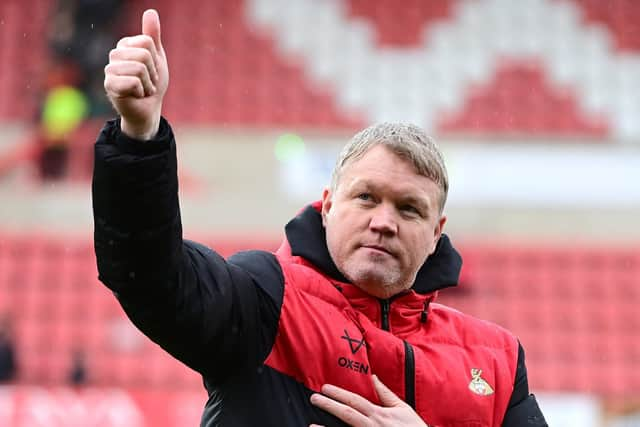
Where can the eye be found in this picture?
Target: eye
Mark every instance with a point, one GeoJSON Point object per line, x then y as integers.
{"type": "Point", "coordinates": [364, 196]}
{"type": "Point", "coordinates": [410, 209]}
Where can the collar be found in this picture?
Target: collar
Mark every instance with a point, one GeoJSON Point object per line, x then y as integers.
{"type": "Point", "coordinates": [306, 237]}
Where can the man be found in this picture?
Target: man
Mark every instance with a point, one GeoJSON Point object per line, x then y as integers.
{"type": "Point", "coordinates": [338, 326]}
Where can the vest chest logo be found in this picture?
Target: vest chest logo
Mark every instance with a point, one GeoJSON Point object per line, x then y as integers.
{"type": "Point", "coordinates": [351, 364]}
{"type": "Point", "coordinates": [478, 385]}
{"type": "Point", "coordinates": [354, 343]}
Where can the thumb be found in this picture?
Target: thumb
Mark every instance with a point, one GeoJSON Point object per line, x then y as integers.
{"type": "Point", "coordinates": [151, 26]}
{"type": "Point", "coordinates": [386, 396]}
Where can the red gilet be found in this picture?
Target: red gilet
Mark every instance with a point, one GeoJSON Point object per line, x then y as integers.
{"type": "Point", "coordinates": [454, 369]}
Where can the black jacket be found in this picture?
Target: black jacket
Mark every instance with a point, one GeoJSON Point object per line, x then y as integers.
{"type": "Point", "coordinates": [219, 317]}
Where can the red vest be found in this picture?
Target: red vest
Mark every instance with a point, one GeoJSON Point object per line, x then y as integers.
{"type": "Point", "coordinates": [460, 369]}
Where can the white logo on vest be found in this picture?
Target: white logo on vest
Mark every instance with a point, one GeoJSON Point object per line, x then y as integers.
{"type": "Point", "coordinates": [478, 385]}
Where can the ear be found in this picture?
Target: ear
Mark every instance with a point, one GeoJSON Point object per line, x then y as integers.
{"type": "Point", "coordinates": [437, 232]}
{"type": "Point", "coordinates": [326, 204]}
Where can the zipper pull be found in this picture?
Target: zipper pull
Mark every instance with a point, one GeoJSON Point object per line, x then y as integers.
{"type": "Point", "coordinates": [385, 314]}
{"type": "Point", "coordinates": [424, 315]}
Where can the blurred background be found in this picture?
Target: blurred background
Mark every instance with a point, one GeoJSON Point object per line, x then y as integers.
{"type": "Point", "coordinates": [535, 103]}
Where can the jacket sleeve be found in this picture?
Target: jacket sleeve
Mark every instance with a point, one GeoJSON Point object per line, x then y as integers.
{"type": "Point", "coordinates": [523, 410]}
{"type": "Point", "coordinates": [215, 316]}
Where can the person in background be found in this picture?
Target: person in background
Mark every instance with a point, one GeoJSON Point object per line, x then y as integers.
{"type": "Point", "coordinates": [339, 325]}
{"type": "Point", "coordinates": [63, 111]}
{"type": "Point", "coordinates": [81, 35]}
{"type": "Point", "coordinates": [78, 370]}
{"type": "Point", "coordinates": [8, 365]}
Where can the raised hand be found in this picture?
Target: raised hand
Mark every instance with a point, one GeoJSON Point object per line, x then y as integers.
{"type": "Point", "coordinates": [137, 77]}
{"type": "Point", "coordinates": [357, 411]}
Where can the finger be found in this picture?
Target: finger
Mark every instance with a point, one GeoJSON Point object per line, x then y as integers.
{"type": "Point", "coordinates": [123, 86]}
{"type": "Point", "coordinates": [340, 410]}
{"type": "Point", "coordinates": [135, 69]}
{"type": "Point", "coordinates": [138, 48]}
{"type": "Point", "coordinates": [151, 26]}
{"type": "Point", "coordinates": [387, 397]}
{"type": "Point", "coordinates": [141, 41]}
{"type": "Point", "coordinates": [350, 399]}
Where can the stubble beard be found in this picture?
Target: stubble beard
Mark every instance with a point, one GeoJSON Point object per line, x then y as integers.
{"type": "Point", "coordinates": [375, 279]}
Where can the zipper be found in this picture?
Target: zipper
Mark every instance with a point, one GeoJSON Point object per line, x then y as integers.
{"type": "Point", "coordinates": [385, 314]}
{"type": "Point", "coordinates": [409, 360]}
{"type": "Point", "coordinates": [409, 376]}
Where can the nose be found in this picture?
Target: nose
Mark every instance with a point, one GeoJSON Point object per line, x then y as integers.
{"type": "Point", "coordinates": [383, 220]}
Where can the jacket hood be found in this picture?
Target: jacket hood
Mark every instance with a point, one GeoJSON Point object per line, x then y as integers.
{"type": "Point", "coordinates": [306, 238]}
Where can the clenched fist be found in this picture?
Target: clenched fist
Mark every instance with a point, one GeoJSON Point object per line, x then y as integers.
{"type": "Point", "coordinates": [136, 79]}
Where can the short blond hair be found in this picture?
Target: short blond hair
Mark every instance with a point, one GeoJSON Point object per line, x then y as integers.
{"type": "Point", "coordinates": [405, 140]}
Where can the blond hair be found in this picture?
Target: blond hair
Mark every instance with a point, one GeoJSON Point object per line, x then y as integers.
{"type": "Point", "coordinates": [405, 140]}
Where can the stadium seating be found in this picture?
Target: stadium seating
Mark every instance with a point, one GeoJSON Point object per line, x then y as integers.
{"type": "Point", "coordinates": [400, 26]}
{"type": "Point", "coordinates": [619, 17]}
{"type": "Point", "coordinates": [23, 56]}
{"type": "Point", "coordinates": [471, 67]}
{"type": "Point", "coordinates": [455, 66]}
{"type": "Point", "coordinates": [575, 309]}
{"type": "Point", "coordinates": [49, 287]}
{"type": "Point", "coordinates": [520, 100]}
{"type": "Point", "coordinates": [433, 63]}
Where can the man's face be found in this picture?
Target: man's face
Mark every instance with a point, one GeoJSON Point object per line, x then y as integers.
{"type": "Point", "coordinates": [382, 222]}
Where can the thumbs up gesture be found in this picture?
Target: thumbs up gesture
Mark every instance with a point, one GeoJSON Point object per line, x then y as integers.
{"type": "Point", "coordinates": [137, 77]}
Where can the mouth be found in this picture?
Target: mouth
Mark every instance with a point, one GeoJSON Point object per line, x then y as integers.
{"type": "Point", "coordinates": [378, 248]}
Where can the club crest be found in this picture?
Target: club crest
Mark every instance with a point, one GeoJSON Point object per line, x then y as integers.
{"type": "Point", "coordinates": [478, 385]}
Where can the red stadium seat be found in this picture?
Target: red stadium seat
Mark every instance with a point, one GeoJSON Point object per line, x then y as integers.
{"type": "Point", "coordinates": [23, 53]}
{"type": "Point", "coordinates": [575, 309]}
{"type": "Point", "coordinates": [619, 16]}
{"type": "Point", "coordinates": [520, 100]}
